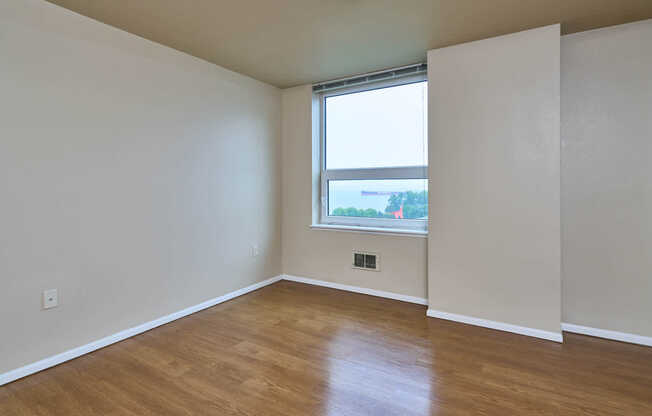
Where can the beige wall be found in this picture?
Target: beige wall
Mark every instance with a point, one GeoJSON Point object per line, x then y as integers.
{"type": "Point", "coordinates": [133, 178]}
{"type": "Point", "coordinates": [607, 178]}
{"type": "Point", "coordinates": [494, 241]}
{"type": "Point", "coordinates": [326, 255]}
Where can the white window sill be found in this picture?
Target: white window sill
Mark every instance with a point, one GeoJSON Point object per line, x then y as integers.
{"type": "Point", "coordinates": [370, 230]}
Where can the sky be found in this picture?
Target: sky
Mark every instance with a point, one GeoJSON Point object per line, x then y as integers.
{"type": "Point", "coordinates": [378, 128]}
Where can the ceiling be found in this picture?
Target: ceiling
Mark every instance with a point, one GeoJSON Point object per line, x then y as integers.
{"type": "Point", "coordinates": [294, 42]}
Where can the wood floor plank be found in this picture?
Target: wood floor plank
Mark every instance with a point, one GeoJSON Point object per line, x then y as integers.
{"type": "Point", "coordinates": [294, 349]}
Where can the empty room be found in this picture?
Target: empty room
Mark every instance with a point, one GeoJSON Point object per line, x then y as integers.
{"type": "Point", "coordinates": [326, 207]}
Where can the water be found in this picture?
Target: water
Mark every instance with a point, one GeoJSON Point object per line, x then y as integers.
{"type": "Point", "coordinates": [354, 198]}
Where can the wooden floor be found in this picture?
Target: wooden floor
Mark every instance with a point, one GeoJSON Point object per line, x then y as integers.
{"type": "Point", "coordinates": [294, 349]}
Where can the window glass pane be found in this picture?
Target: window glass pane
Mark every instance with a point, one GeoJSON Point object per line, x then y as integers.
{"type": "Point", "coordinates": [393, 199]}
{"type": "Point", "coordinates": [386, 127]}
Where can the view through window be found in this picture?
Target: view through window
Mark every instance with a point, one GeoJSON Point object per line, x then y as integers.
{"type": "Point", "coordinates": [374, 167]}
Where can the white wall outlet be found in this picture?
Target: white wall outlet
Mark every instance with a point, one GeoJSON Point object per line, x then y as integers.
{"type": "Point", "coordinates": [50, 298]}
{"type": "Point", "coordinates": [254, 250]}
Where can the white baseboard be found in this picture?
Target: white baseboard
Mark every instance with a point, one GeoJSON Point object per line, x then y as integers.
{"type": "Point", "coordinates": [501, 326]}
{"type": "Point", "coordinates": [111, 339]}
{"type": "Point", "coordinates": [364, 291]}
{"type": "Point", "coordinates": [604, 333]}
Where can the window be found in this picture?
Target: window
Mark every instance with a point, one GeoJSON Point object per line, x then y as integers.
{"type": "Point", "coordinates": [374, 155]}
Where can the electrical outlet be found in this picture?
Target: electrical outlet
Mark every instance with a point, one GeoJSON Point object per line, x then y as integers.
{"type": "Point", "coordinates": [254, 250]}
{"type": "Point", "coordinates": [50, 298]}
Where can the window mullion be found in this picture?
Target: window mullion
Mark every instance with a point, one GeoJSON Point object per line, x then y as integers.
{"type": "Point", "coordinates": [412, 172]}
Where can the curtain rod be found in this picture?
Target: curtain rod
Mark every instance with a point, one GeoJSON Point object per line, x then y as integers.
{"type": "Point", "coordinates": [371, 77]}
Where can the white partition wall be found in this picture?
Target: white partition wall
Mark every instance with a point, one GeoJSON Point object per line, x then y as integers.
{"type": "Point", "coordinates": [494, 236]}
{"type": "Point", "coordinates": [607, 185]}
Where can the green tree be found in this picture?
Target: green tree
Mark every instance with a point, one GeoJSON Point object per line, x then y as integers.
{"type": "Point", "coordinates": [354, 212]}
{"type": "Point", "coordinates": [415, 204]}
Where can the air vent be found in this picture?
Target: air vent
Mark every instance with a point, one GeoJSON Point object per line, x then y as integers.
{"type": "Point", "coordinates": [366, 261]}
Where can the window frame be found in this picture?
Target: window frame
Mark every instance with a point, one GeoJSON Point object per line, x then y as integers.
{"type": "Point", "coordinates": [389, 173]}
